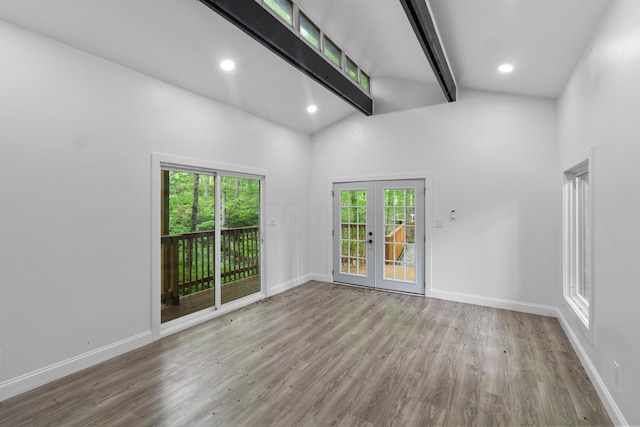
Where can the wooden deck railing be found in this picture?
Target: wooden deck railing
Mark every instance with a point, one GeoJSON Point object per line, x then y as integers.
{"type": "Point", "coordinates": [394, 244]}
{"type": "Point", "coordinates": [189, 260]}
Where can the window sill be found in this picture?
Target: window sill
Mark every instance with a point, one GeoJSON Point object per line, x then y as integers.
{"type": "Point", "coordinates": [579, 312]}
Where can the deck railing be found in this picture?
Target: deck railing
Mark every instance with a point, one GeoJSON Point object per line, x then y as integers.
{"type": "Point", "coordinates": [189, 260]}
{"type": "Point", "coordinates": [394, 244]}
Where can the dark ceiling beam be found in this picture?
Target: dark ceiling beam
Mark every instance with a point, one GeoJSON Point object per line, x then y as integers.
{"type": "Point", "coordinates": [256, 21]}
{"type": "Point", "coordinates": [418, 13]}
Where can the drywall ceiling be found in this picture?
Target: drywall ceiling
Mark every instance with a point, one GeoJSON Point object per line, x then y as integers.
{"type": "Point", "coordinates": [182, 42]}
{"type": "Point", "coordinates": [542, 39]}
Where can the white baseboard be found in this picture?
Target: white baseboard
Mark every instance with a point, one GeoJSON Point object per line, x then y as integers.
{"type": "Point", "coordinates": [56, 371]}
{"type": "Point", "coordinates": [34, 379]}
{"type": "Point", "coordinates": [321, 277]}
{"type": "Point", "coordinates": [42, 376]}
{"type": "Point", "coordinates": [524, 307]}
{"type": "Point", "coordinates": [289, 285]}
{"type": "Point", "coordinates": [608, 401]}
{"type": "Point", "coordinates": [203, 316]}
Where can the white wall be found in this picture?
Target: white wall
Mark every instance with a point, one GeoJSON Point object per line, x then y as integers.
{"type": "Point", "coordinates": [76, 136]}
{"type": "Point", "coordinates": [600, 108]}
{"type": "Point", "coordinates": [493, 159]}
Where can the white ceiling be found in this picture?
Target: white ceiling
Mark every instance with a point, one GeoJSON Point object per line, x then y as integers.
{"type": "Point", "coordinates": [543, 39]}
{"type": "Point", "coordinates": [182, 42]}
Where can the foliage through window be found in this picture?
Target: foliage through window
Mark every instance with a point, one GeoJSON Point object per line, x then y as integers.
{"type": "Point", "coordinates": [309, 31]}
{"type": "Point", "coordinates": [284, 9]}
{"type": "Point", "coordinates": [191, 237]}
{"type": "Point", "coordinates": [291, 13]}
{"type": "Point", "coordinates": [332, 52]}
{"type": "Point", "coordinates": [352, 69]}
{"type": "Point", "coordinates": [364, 81]}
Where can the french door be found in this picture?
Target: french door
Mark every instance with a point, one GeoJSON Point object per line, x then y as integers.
{"type": "Point", "coordinates": [378, 234]}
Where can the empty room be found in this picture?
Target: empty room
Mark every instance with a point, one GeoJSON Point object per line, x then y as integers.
{"type": "Point", "coordinates": [305, 212]}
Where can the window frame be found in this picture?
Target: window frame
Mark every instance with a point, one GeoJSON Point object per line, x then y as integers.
{"type": "Point", "coordinates": [280, 17]}
{"type": "Point", "coordinates": [578, 280]}
{"type": "Point", "coordinates": [302, 16]}
{"type": "Point", "coordinates": [366, 77]}
{"type": "Point", "coordinates": [327, 41]}
{"type": "Point", "coordinates": [348, 61]}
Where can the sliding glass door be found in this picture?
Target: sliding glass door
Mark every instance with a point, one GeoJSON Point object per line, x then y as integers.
{"type": "Point", "coordinates": [210, 240]}
{"type": "Point", "coordinates": [239, 237]}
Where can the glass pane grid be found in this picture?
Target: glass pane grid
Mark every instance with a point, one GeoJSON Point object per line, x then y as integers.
{"type": "Point", "coordinates": [399, 227]}
{"type": "Point", "coordinates": [353, 251]}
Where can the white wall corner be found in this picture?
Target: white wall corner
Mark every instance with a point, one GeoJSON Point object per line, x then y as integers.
{"type": "Point", "coordinates": [606, 397]}
{"type": "Point", "coordinates": [37, 378]}
{"type": "Point", "coordinates": [274, 290]}
{"type": "Point", "coordinates": [321, 277]}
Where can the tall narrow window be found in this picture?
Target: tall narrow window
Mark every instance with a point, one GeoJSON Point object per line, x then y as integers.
{"type": "Point", "coordinates": [577, 236]}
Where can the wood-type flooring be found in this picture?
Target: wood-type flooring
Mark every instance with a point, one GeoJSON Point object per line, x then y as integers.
{"type": "Point", "coordinates": [325, 354]}
{"type": "Point", "coordinates": [206, 299]}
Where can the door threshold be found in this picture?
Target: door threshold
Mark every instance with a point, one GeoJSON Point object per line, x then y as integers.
{"type": "Point", "coordinates": [379, 289]}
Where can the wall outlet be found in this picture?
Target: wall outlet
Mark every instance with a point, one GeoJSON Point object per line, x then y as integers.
{"type": "Point", "coordinates": [616, 373]}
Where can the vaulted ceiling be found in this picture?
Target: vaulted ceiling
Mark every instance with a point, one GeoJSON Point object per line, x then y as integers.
{"type": "Point", "coordinates": [182, 42]}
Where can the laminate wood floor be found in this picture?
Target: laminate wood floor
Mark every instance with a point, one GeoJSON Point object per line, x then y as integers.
{"type": "Point", "coordinates": [326, 354]}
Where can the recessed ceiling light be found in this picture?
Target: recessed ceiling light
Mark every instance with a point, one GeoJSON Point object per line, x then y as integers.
{"type": "Point", "coordinates": [505, 68]}
{"type": "Point", "coordinates": [227, 65]}
{"type": "Point", "coordinates": [312, 108]}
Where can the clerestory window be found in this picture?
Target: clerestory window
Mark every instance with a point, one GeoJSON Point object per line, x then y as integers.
{"type": "Point", "coordinates": [290, 13]}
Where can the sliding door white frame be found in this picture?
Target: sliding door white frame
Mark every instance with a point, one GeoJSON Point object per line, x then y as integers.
{"type": "Point", "coordinates": [161, 162]}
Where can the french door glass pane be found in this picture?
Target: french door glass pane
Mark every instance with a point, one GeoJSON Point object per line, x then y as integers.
{"type": "Point", "coordinates": [399, 238]}
{"type": "Point", "coordinates": [187, 243]}
{"type": "Point", "coordinates": [353, 246]}
{"type": "Point", "coordinates": [240, 237]}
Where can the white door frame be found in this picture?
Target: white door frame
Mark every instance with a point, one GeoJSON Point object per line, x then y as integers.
{"type": "Point", "coordinates": [428, 216]}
